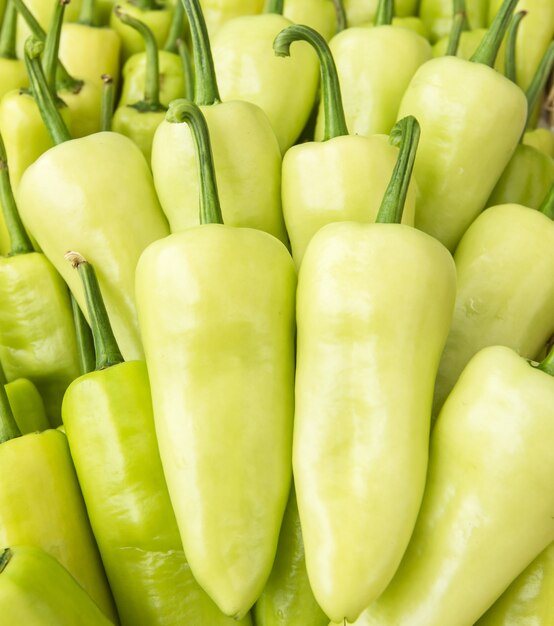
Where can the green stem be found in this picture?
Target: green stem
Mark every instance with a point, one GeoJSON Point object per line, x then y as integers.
{"type": "Point", "coordinates": [184, 111]}
{"type": "Point", "coordinates": [52, 44]}
{"type": "Point", "coordinates": [146, 5]}
{"type": "Point", "coordinates": [105, 345]}
{"type": "Point", "coordinates": [206, 91]}
{"type": "Point", "coordinates": [274, 6]}
{"type": "Point", "coordinates": [455, 34]}
{"type": "Point", "coordinates": [340, 11]}
{"type": "Point", "coordinates": [385, 13]}
{"type": "Point", "coordinates": [87, 13]}
{"type": "Point", "coordinates": [8, 427]}
{"type": "Point", "coordinates": [547, 364]}
{"type": "Point", "coordinates": [176, 29]}
{"type": "Point", "coordinates": [152, 77]}
{"type": "Point", "coordinates": [335, 123]}
{"type": "Point", "coordinates": [510, 54]}
{"type": "Point", "coordinates": [19, 240]}
{"type": "Point", "coordinates": [459, 6]}
{"type": "Point", "coordinates": [85, 341]}
{"type": "Point", "coordinates": [7, 34]}
{"type": "Point", "coordinates": [5, 558]}
{"type": "Point", "coordinates": [43, 96]}
{"type": "Point", "coordinates": [106, 109]}
{"type": "Point", "coordinates": [547, 205]}
{"type": "Point", "coordinates": [488, 48]}
{"type": "Point", "coordinates": [188, 71]}
{"type": "Point", "coordinates": [539, 80]}
{"type": "Point", "coordinates": [405, 134]}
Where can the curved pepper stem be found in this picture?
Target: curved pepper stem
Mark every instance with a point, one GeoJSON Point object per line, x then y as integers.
{"type": "Point", "coordinates": [488, 48]}
{"type": "Point", "coordinates": [7, 32]}
{"type": "Point", "coordinates": [183, 51]}
{"type": "Point", "coordinates": [335, 123]}
{"type": "Point", "coordinates": [19, 240]}
{"type": "Point", "coordinates": [405, 134]}
{"type": "Point", "coordinates": [385, 13]}
{"type": "Point", "coordinates": [183, 111]}
{"type": "Point", "coordinates": [274, 6]}
{"type": "Point", "coordinates": [52, 45]}
{"type": "Point", "coordinates": [340, 12]}
{"type": "Point", "coordinates": [8, 427]}
{"type": "Point", "coordinates": [539, 80]}
{"type": "Point", "coordinates": [547, 205]}
{"type": "Point", "coordinates": [107, 350]}
{"type": "Point", "coordinates": [43, 96]}
{"type": "Point", "coordinates": [85, 341]}
{"type": "Point", "coordinates": [458, 25]}
{"type": "Point", "coordinates": [206, 91]}
{"type": "Point", "coordinates": [510, 55]}
{"type": "Point", "coordinates": [107, 104]}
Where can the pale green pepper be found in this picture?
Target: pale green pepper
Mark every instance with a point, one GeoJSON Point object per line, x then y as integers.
{"type": "Point", "coordinates": [361, 11]}
{"type": "Point", "coordinates": [218, 12]}
{"type": "Point", "coordinates": [437, 15]}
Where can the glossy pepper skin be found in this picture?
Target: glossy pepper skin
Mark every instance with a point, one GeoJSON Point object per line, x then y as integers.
{"type": "Point", "coordinates": [469, 42]}
{"type": "Point", "coordinates": [540, 138]}
{"type": "Point", "coordinates": [487, 509]}
{"type": "Point", "coordinates": [36, 590]}
{"type": "Point", "coordinates": [216, 307]}
{"type": "Point", "coordinates": [362, 11]}
{"type": "Point", "coordinates": [110, 429]}
{"type": "Point", "coordinates": [362, 414]}
{"type": "Point", "coordinates": [456, 170]}
{"type": "Point", "coordinates": [218, 12]}
{"type": "Point", "coordinates": [27, 406]}
{"type": "Point", "coordinates": [321, 15]}
{"type": "Point", "coordinates": [437, 15]}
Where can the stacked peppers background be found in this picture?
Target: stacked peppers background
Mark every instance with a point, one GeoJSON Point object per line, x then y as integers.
{"type": "Point", "coordinates": [277, 312]}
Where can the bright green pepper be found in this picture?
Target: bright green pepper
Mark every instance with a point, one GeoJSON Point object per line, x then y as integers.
{"type": "Point", "coordinates": [218, 12]}
{"type": "Point", "coordinates": [12, 69]}
{"type": "Point", "coordinates": [437, 15]}
{"type": "Point", "coordinates": [247, 69]}
{"type": "Point", "coordinates": [216, 309]}
{"type": "Point", "coordinates": [103, 203]}
{"type": "Point", "coordinates": [27, 406]}
{"type": "Point", "coordinates": [343, 177]}
{"type": "Point", "coordinates": [471, 120]}
{"type": "Point", "coordinates": [366, 58]}
{"type": "Point", "coordinates": [374, 306]}
{"type": "Point", "coordinates": [110, 429]}
{"type": "Point", "coordinates": [528, 601]}
{"type": "Point", "coordinates": [246, 154]}
{"type": "Point", "coordinates": [36, 590]}
{"type": "Point", "coordinates": [487, 509]}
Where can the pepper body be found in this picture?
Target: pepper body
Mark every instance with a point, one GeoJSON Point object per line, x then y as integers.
{"type": "Point", "coordinates": [27, 406]}
{"type": "Point", "coordinates": [469, 42]}
{"type": "Point", "coordinates": [374, 306]}
{"type": "Point", "coordinates": [41, 505]}
{"type": "Point", "coordinates": [218, 12]}
{"type": "Point", "coordinates": [216, 307]}
{"type": "Point", "coordinates": [36, 590]}
{"type": "Point", "coordinates": [487, 509]}
{"type": "Point", "coordinates": [318, 14]}
{"type": "Point", "coordinates": [360, 11]}
{"type": "Point", "coordinates": [503, 296]}
{"type": "Point", "coordinates": [542, 139]}
{"type": "Point", "coordinates": [104, 205]}
{"type": "Point", "coordinates": [139, 126]}
{"type": "Point", "coordinates": [464, 144]}
{"type": "Point", "coordinates": [437, 15]}
{"type": "Point", "coordinates": [13, 75]}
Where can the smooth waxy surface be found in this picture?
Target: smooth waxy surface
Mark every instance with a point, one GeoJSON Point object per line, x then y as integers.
{"type": "Point", "coordinates": [437, 15]}
{"type": "Point", "coordinates": [13, 75]}
{"type": "Point", "coordinates": [373, 309]}
{"type": "Point", "coordinates": [216, 307]}
{"type": "Point", "coordinates": [469, 42]}
{"type": "Point", "coordinates": [318, 14]}
{"type": "Point", "coordinates": [27, 406]}
{"type": "Point", "coordinates": [218, 12]}
{"type": "Point", "coordinates": [542, 139]}
{"type": "Point", "coordinates": [139, 126]}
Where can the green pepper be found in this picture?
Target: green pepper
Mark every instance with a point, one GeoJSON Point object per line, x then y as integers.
{"type": "Point", "coordinates": [36, 590]}
{"type": "Point", "coordinates": [528, 600]}
{"type": "Point", "coordinates": [321, 15]}
{"type": "Point", "coordinates": [487, 509]}
{"type": "Point", "coordinates": [437, 15]}
{"type": "Point", "coordinates": [37, 336]}
{"type": "Point", "coordinates": [218, 12]}
{"type": "Point", "coordinates": [246, 153]}
{"type": "Point", "coordinates": [100, 198]}
{"type": "Point", "coordinates": [12, 69]}
{"type": "Point", "coordinates": [41, 504]}
{"type": "Point", "coordinates": [470, 40]}
{"type": "Point", "coordinates": [27, 406]}
{"type": "Point", "coordinates": [366, 59]}
{"type": "Point", "coordinates": [359, 12]}
{"type": "Point", "coordinates": [216, 309]}
{"type": "Point", "coordinates": [110, 429]}
{"type": "Point", "coordinates": [247, 69]}
{"type": "Point", "coordinates": [343, 177]}
{"type": "Point", "coordinates": [374, 305]}
{"type": "Point", "coordinates": [540, 138]}
{"type": "Point", "coordinates": [471, 120]}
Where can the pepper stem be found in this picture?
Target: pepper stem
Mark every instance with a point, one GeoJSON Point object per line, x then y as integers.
{"type": "Point", "coordinates": [186, 61]}
{"type": "Point", "coordinates": [176, 29]}
{"type": "Point", "coordinates": [274, 6]}
{"type": "Point", "coordinates": [335, 123]}
{"type": "Point", "coordinates": [52, 45]}
{"type": "Point", "coordinates": [488, 48]}
{"type": "Point", "coordinates": [184, 111]}
{"type": "Point", "coordinates": [5, 558]}
{"type": "Point", "coordinates": [206, 91]}
{"type": "Point", "coordinates": [8, 426]}
{"type": "Point", "coordinates": [385, 13]}
{"type": "Point", "coordinates": [85, 341]}
{"type": "Point", "coordinates": [459, 6]}
{"type": "Point", "coordinates": [547, 364]}
{"type": "Point", "coordinates": [7, 33]}
{"type": "Point", "coordinates": [87, 13]}
{"type": "Point", "coordinates": [510, 55]}
{"type": "Point", "coordinates": [547, 205]}
{"type": "Point", "coordinates": [539, 81]}
{"type": "Point", "coordinates": [107, 104]}
{"type": "Point", "coordinates": [45, 100]}
{"type": "Point", "coordinates": [456, 30]}
{"type": "Point", "coordinates": [107, 350]}
{"type": "Point", "coordinates": [405, 134]}
{"type": "Point", "coordinates": [19, 240]}
{"type": "Point", "coordinates": [340, 12]}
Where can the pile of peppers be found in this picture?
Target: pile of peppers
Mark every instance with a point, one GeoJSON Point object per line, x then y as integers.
{"type": "Point", "coordinates": [276, 312]}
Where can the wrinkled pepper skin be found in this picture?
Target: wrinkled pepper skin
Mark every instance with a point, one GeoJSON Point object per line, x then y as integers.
{"type": "Point", "coordinates": [528, 601]}
{"type": "Point", "coordinates": [218, 12]}
{"type": "Point", "coordinates": [43, 507]}
{"type": "Point", "coordinates": [504, 295]}
{"type": "Point", "coordinates": [465, 145]}
{"type": "Point", "coordinates": [103, 204]}
{"type": "Point", "coordinates": [437, 15]}
{"type": "Point", "coordinates": [487, 509]}
{"type": "Point", "coordinates": [287, 599]}
{"type": "Point", "coordinates": [27, 406]}
{"type": "Point", "coordinates": [216, 308]}
{"type": "Point", "coordinates": [36, 590]}
{"type": "Point", "coordinates": [374, 306]}
{"type": "Point", "coordinates": [110, 428]}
